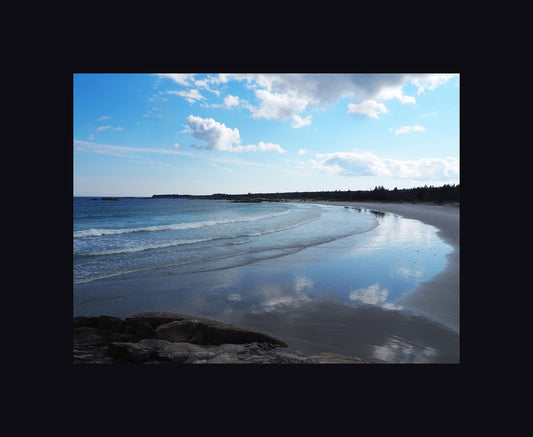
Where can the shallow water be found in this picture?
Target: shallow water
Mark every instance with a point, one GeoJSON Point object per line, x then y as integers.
{"type": "Point", "coordinates": [332, 286]}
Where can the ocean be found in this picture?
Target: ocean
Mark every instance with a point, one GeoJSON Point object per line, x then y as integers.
{"type": "Point", "coordinates": [319, 277]}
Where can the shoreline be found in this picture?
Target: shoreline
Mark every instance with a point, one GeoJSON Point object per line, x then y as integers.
{"type": "Point", "coordinates": [439, 297]}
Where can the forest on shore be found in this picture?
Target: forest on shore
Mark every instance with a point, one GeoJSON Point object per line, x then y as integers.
{"type": "Point", "coordinates": [444, 193]}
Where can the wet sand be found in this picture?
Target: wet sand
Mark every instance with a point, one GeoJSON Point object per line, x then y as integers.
{"type": "Point", "coordinates": [438, 297]}
{"type": "Point", "coordinates": [271, 296]}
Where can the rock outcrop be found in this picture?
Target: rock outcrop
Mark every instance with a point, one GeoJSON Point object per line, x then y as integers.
{"type": "Point", "coordinates": [161, 337]}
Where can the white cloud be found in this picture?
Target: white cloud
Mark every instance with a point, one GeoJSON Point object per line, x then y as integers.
{"type": "Point", "coordinates": [368, 164]}
{"type": "Point", "coordinates": [187, 79]}
{"type": "Point", "coordinates": [262, 147]}
{"type": "Point", "coordinates": [191, 96]}
{"type": "Point", "coordinates": [216, 135]}
{"type": "Point", "coordinates": [301, 122]}
{"type": "Point", "coordinates": [394, 92]}
{"type": "Point", "coordinates": [231, 101]}
{"type": "Point", "coordinates": [285, 96]}
{"type": "Point", "coordinates": [103, 128]}
{"type": "Point", "coordinates": [281, 106]}
{"type": "Point", "coordinates": [104, 117]}
{"type": "Point", "coordinates": [179, 78]}
{"type": "Point", "coordinates": [302, 151]}
{"type": "Point", "coordinates": [219, 137]}
{"type": "Point", "coordinates": [409, 129]}
{"type": "Point", "coordinates": [269, 147]}
{"type": "Point", "coordinates": [430, 81]}
{"type": "Point", "coordinates": [367, 107]}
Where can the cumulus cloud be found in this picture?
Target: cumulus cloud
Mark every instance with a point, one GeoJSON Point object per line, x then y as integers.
{"type": "Point", "coordinates": [219, 137]}
{"type": "Point", "coordinates": [269, 147]}
{"type": "Point", "coordinates": [368, 164]}
{"type": "Point", "coordinates": [216, 135]}
{"type": "Point", "coordinates": [367, 107]}
{"type": "Point", "coordinates": [281, 106]}
{"type": "Point", "coordinates": [231, 101]}
{"type": "Point", "coordinates": [285, 96]}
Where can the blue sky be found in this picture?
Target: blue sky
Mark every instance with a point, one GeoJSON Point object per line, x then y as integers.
{"type": "Point", "coordinates": [144, 134]}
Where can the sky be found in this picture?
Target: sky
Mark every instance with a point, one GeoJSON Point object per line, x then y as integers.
{"type": "Point", "coordinates": [145, 134]}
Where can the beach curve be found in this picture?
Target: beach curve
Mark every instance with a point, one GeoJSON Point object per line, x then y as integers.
{"type": "Point", "coordinates": [438, 297]}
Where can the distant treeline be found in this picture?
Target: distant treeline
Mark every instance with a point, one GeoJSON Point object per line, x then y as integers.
{"type": "Point", "coordinates": [445, 193]}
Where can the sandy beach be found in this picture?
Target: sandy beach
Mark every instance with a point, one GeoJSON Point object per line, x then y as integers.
{"type": "Point", "coordinates": [438, 297]}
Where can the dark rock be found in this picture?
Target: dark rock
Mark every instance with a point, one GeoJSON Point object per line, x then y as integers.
{"type": "Point", "coordinates": [160, 337]}
{"type": "Point", "coordinates": [156, 318]}
{"type": "Point", "coordinates": [129, 352]}
{"type": "Point", "coordinates": [89, 354]}
{"type": "Point", "coordinates": [86, 335]}
{"type": "Point", "coordinates": [178, 330]}
{"type": "Point", "coordinates": [218, 333]}
{"type": "Point", "coordinates": [181, 327]}
{"type": "Point", "coordinates": [139, 327]}
{"type": "Point", "coordinates": [122, 336]}
{"type": "Point", "coordinates": [113, 324]}
{"type": "Point", "coordinates": [83, 321]}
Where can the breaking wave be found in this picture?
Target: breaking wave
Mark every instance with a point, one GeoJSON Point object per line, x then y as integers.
{"type": "Point", "coordinates": [174, 226]}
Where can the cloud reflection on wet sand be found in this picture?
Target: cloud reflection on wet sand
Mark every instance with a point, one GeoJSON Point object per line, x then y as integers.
{"type": "Point", "coordinates": [367, 331]}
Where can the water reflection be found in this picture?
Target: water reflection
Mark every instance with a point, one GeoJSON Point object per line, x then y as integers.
{"type": "Point", "coordinates": [338, 297]}
{"type": "Point", "coordinates": [373, 295]}
{"type": "Point", "coordinates": [273, 296]}
{"type": "Point", "coordinates": [377, 213]}
{"type": "Point", "coordinates": [370, 295]}
{"type": "Point", "coordinates": [367, 331]}
{"type": "Point", "coordinates": [398, 350]}
{"type": "Point", "coordinates": [406, 273]}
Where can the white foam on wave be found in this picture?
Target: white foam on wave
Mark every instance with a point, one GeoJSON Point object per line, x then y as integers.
{"type": "Point", "coordinates": [132, 249]}
{"type": "Point", "coordinates": [174, 226]}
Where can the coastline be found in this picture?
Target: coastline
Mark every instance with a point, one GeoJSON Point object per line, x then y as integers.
{"type": "Point", "coordinates": [303, 299]}
{"type": "Point", "coordinates": [439, 297]}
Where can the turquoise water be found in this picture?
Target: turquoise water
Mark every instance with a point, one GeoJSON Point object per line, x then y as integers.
{"type": "Point", "coordinates": [322, 278]}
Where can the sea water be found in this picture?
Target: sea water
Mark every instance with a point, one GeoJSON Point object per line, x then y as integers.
{"type": "Point", "coordinates": [315, 276]}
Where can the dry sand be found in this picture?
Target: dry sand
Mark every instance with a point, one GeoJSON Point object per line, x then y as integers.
{"type": "Point", "coordinates": [438, 297]}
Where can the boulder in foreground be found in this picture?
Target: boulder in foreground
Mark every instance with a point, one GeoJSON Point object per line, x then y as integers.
{"type": "Point", "coordinates": [162, 337]}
